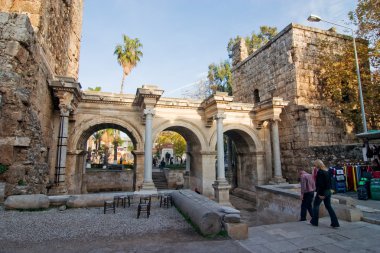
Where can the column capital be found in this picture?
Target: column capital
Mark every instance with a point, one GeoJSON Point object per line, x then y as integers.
{"type": "Point", "coordinates": [150, 111]}
{"type": "Point", "coordinates": [220, 115]}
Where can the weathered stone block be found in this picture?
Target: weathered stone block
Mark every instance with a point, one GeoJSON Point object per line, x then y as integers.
{"type": "Point", "coordinates": [25, 202]}
{"type": "Point", "coordinates": [15, 49]}
{"type": "Point", "coordinates": [237, 231]}
{"type": "Point", "coordinates": [22, 141]}
{"type": "Point", "coordinates": [6, 156]}
{"type": "Point", "coordinates": [231, 218]}
{"type": "Point", "coordinates": [4, 18]}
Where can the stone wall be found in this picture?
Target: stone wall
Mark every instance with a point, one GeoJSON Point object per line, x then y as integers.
{"type": "Point", "coordinates": [39, 40]}
{"type": "Point", "coordinates": [58, 26]}
{"type": "Point", "coordinates": [287, 67]}
{"type": "Point", "coordinates": [100, 181]}
{"type": "Point", "coordinates": [26, 107]}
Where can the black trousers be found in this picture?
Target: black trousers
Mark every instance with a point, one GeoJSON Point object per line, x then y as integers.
{"type": "Point", "coordinates": [306, 204]}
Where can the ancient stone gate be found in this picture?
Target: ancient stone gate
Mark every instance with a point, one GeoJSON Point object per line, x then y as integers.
{"type": "Point", "coordinates": [144, 115]}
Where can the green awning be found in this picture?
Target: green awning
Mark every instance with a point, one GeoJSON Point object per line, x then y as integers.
{"type": "Point", "coordinates": [370, 135]}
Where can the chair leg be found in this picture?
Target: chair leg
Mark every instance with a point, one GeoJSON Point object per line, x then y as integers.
{"type": "Point", "coordinates": [138, 211]}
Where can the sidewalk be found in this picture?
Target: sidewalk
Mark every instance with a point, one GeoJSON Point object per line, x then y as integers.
{"type": "Point", "coordinates": [370, 208]}
{"type": "Point", "coordinates": [302, 237]}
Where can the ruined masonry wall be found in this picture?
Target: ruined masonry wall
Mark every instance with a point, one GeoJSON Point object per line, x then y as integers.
{"type": "Point", "coordinates": [58, 26]}
{"type": "Point", "coordinates": [286, 67]}
{"type": "Point", "coordinates": [39, 40]}
{"type": "Point", "coordinates": [26, 108]}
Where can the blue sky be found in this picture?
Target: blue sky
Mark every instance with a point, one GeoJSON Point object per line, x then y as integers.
{"type": "Point", "coordinates": [182, 37]}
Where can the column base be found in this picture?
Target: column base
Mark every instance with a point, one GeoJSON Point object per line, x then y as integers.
{"type": "Point", "coordinates": [148, 186]}
{"type": "Point", "coordinates": [59, 189]}
{"type": "Point", "coordinates": [222, 192]}
{"type": "Point", "coordinates": [278, 180]}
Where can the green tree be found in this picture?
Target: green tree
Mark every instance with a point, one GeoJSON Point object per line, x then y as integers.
{"type": "Point", "coordinates": [97, 88]}
{"type": "Point", "coordinates": [337, 70]}
{"type": "Point", "coordinates": [255, 40]}
{"type": "Point", "coordinates": [220, 77]}
{"type": "Point", "coordinates": [367, 18]}
{"type": "Point", "coordinates": [128, 55]}
{"type": "Point", "coordinates": [169, 137]}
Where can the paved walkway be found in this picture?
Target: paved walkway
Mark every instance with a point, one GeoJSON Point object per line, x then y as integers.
{"type": "Point", "coordinates": [302, 237]}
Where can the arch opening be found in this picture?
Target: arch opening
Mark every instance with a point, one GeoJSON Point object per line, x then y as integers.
{"type": "Point", "coordinates": [108, 162]}
{"type": "Point", "coordinates": [182, 157]}
{"type": "Point", "coordinates": [240, 159]}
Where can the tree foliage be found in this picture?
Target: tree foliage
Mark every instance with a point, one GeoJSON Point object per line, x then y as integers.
{"type": "Point", "coordinates": [367, 18]}
{"type": "Point", "coordinates": [97, 88]}
{"type": "Point", "coordinates": [220, 77]}
{"type": "Point", "coordinates": [338, 81]}
{"type": "Point", "coordinates": [128, 55]}
{"type": "Point", "coordinates": [255, 40]}
{"type": "Point", "coordinates": [169, 137]}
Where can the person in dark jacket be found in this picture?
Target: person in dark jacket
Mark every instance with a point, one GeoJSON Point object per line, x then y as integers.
{"type": "Point", "coordinates": [323, 189]}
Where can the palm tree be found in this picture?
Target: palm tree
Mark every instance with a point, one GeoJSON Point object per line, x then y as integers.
{"type": "Point", "coordinates": [128, 55]}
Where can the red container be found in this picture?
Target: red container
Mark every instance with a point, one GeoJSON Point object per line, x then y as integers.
{"type": "Point", "coordinates": [376, 174]}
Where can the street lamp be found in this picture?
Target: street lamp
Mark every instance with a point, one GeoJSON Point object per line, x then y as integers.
{"type": "Point", "coordinates": [315, 18]}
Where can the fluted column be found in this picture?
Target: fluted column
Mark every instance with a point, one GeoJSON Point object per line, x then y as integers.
{"type": "Point", "coordinates": [148, 182]}
{"type": "Point", "coordinates": [60, 169]}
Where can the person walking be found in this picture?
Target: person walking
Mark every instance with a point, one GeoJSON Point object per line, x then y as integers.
{"type": "Point", "coordinates": [307, 193]}
{"type": "Point", "coordinates": [323, 189]}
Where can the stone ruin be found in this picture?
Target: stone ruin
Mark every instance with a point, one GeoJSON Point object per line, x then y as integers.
{"type": "Point", "coordinates": [40, 41]}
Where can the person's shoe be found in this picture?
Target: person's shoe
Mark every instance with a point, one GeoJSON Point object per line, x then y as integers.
{"type": "Point", "coordinates": [335, 226]}
{"type": "Point", "coordinates": [302, 220]}
{"type": "Point", "coordinates": [315, 225]}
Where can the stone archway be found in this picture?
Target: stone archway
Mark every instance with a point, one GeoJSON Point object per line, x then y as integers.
{"type": "Point", "coordinates": [248, 165]}
{"type": "Point", "coordinates": [76, 173]}
{"type": "Point", "coordinates": [200, 175]}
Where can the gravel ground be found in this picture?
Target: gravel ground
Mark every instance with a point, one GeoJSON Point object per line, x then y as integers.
{"type": "Point", "coordinates": [85, 223]}
{"type": "Point", "coordinates": [88, 230]}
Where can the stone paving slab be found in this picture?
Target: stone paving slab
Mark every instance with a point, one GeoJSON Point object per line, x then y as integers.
{"type": "Point", "coordinates": [302, 237]}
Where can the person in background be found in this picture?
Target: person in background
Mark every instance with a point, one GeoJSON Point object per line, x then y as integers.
{"type": "Point", "coordinates": [375, 165]}
{"type": "Point", "coordinates": [307, 193]}
{"type": "Point", "coordinates": [323, 188]}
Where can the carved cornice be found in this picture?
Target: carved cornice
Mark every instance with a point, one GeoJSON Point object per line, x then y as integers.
{"type": "Point", "coordinates": [213, 105]}
{"type": "Point", "coordinates": [68, 92]}
{"type": "Point", "coordinates": [268, 110]}
{"type": "Point", "coordinates": [147, 96]}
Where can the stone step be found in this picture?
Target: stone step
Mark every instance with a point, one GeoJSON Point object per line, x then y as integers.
{"type": "Point", "coordinates": [159, 180]}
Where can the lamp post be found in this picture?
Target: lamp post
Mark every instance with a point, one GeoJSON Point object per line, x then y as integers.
{"type": "Point", "coordinates": [315, 18]}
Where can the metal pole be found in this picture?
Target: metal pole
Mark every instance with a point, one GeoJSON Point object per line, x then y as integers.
{"type": "Point", "coordinates": [360, 86]}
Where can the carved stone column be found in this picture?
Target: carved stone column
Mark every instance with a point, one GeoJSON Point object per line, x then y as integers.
{"type": "Point", "coordinates": [276, 154]}
{"type": "Point", "coordinates": [148, 182]}
{"type": "Point", "coordinates": [65, 108]}
{"type": "Point", "coordinates": [221, 186]}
